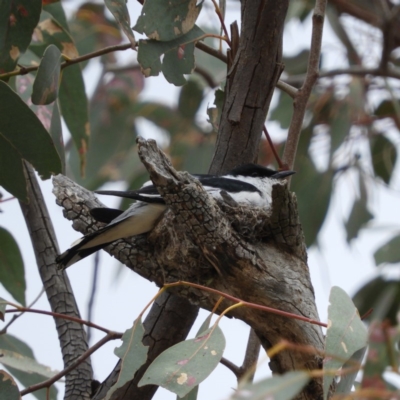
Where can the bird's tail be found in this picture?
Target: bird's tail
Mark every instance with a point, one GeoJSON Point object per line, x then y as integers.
{"type": "Point", "coordinates": [139, 218]}
{"type": "Point", "coordinates": [79, 251]}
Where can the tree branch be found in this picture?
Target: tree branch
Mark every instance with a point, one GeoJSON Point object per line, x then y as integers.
{"type": "Point", "coordinates": [301, 99]}
{"type": "Point", "coordinates": [260, 255]}
{"type": "Point", "coordinates": [71, 334]}
{"type": "Point", "coordinates": [250, 83]}
{"type": "Point", "coordinates": [72, 366]}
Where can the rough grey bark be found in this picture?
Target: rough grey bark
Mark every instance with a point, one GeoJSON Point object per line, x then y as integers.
{"type": "Point", "coordinates": [246, 252]}
{"type": "Point", "coordinates": [58, 290]}
{"type": "Point", "coordinates": [251, 81]}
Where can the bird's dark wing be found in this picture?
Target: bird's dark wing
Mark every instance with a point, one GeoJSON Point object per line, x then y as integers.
{"type": "Point", "coordinates": [104, 214]}
{"type": "Point", "coordinates": [149, 193]}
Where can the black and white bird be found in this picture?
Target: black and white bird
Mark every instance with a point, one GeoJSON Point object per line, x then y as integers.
{"type": "Point", "coordinates": [249, 184]}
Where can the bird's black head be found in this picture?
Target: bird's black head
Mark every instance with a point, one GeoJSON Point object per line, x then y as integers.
{"type": "Point", "coordinates": [259, 171]}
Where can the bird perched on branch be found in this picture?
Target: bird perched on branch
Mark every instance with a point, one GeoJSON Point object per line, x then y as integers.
{"type": "Point", "coordinates": [249, 184]}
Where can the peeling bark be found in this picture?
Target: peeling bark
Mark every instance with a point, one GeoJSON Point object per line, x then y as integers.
{"type": "Point", "coordinates": [214, 244]}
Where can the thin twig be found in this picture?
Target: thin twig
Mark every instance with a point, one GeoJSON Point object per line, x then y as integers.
{"type": "Point", "coordinates": [71, 61]}
{"type": "Point", "coordinates": [209, 50]}
{"type": "Point", "coordinates": [62, 316]}
{"type": "Point", "coordinates": [221, 20]}
{"type": "Point", "coordinates": [289, 89]}
{"type": "Point", "coordinates": [206, 76]}
{"type": "Point", "coordinates": [248, 367]}
{"type": "Point", "coordinates": [355, 71]}
{"type": "Point", "coordinates": [110, 336]}
{"type": "Point", "coordinates": [246, 303]}
{"type": "Point", "coordinates": [271, 145]}
{"type": "Point", "coordinates": [15, 317]}
{"type": "Point", "coordinates": [301, 99]}
{"type": "Point", "coordinates": [93, 292]}
{"type": "Point", "coordinates": [230, 365]}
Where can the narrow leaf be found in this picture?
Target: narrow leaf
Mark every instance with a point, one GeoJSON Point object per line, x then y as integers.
{"type": "Point", "coordinates": [178, 59]}
{"type": "Point", "coordinates": [284, 387]}
{"type": "Point", "coordinates": [167, 20]}
{"type": "Point", "coordinates": [384, 156]}
{"type": "Point", "coordinates": [120, 11]}
{"type": "Point", "coordinates": [17, 22]}
{"type": "Point", "coordinates": [34, 145]}
{"type": "Point", "coordinates": [381, 295]}
{"type": "Point", "coordinates": [345, 335]}
{"type": "Point", "coordinates": [74, 109]}
{"type": "Point", "coordinates": [347, 380]}
{"type": "Point", "coordinates": [132, 353]}
{"type": "Point", "coordinates": [185, 365]}
{"type": "Point", "coordinates": [382, 353]}
{"type": "Point", "coordinates": [45, 87]}
{"type": "Point", "coordinates": [12, 344]}
{"type": "Point", "coordinates": [190, 99]}
{"type": "Point", "coordinates": [359, 216]}
{"type": "Point", "coordinates": [12, 273]}
{"type": "Point", "coordinates": [3, 305]}
{"type": "Point", "coordinates": [313, 192]}
{"type": "Point", "coordinates": [56, 134]}
{"type": "Point", "coordinates": [8, 387]}
{"type": "Point", "coordinates": [10, 160]}
{"type": "Point", "coordinates": [22, 363]}
{"type": "Point", "coordinates": [389, 252]}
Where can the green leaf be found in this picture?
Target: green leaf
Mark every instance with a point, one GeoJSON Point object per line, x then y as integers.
{"type": "Point", "coordinates": [381, 295]}
{"type": "Point", "coordinates": [283, 387]}
{"type": "Point", "coordinates": [313, 192]}
{"type": "Point", "coordinates": [8, 387]}
{"type": "Point", "coordinates": [113, 130]}
{"type": "Point", "coordinates": [359, 216]}
{"type": "Point", "coordinates": [389, 252]}
{"type": "Point", "coordinates": [283, 111]}
{"type": "Point", "coordinates": [93, 30]}
{"type": "Point", "coordinates": [10, 160]}
{"type": "Point", "coordinates": [132, 353]}
{"type": "Point", "coordinates": [345, 334]}
{"type": "Point", "coordinates": [45, 87]}
{"type": "Point", "coordinates": [382, 353]}
{"type": "Point", "coordinates": [15, 360]}
{"type": "Point", "coordinates": [12, 273]}
{"type": "Point", "coordinates": [297, 64]}
{"type": "Point", "coordinates": [190, 99]}
{"type": "Point", "coordinates": [56, 10]}
{"type": "Point", "coordinates": [3, 305]}
{"type": "Point", "coordinates": [340, 123]}
{"type": "Point", "coordinates": [56, 134]}
{"type": "Point", "coordinates": [167, 20]}
{"type": "Point", "coordinates": [384, 156]}
{"type": "Point", "coordinates": [72, 94]}
{"type": "Point", "coordinates": [178, 56]}
{"type": "Point", "coordinates": [74, 108]}
{"type": "Point", "coordinates": [12, 344]}
{"type": "Point", "coordinates": [166, 118]}
{"type": "Point", "coordinates": [347, 380]}
{"type": "Point", "coordinates": [17, 22]}
{"type": "Point", "coordinates": [185, 365]}
{"type": "Point", "coordinates": [192, 395]}
{"type": "Point", "coordinates": [34, 145]}
{"type": "Point", "coordinates": [120, 11]}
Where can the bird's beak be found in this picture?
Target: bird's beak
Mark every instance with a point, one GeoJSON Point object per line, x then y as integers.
{"type": "Point", "coordinates": [283, 174]}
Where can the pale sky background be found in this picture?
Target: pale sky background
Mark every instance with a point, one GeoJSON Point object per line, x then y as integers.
{"type": "Point", "coordinates": [118, 302]}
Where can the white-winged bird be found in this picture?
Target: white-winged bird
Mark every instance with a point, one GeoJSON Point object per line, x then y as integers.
{"type": "Point", "coordinates": [248, 184]}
